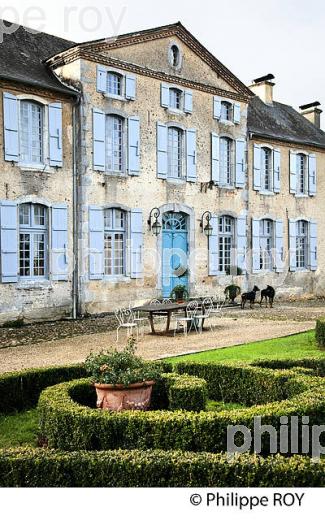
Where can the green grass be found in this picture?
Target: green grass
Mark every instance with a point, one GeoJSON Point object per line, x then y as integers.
{"type": "Point", "coordinates": [290, 347]}
{"type": "Point", "coordinates": [19, 429]}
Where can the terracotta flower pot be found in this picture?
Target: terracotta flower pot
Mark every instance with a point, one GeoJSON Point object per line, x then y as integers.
{"type": "Point", "coordinates": [136, 396]}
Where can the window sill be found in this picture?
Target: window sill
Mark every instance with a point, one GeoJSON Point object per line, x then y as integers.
{"type": "Point", "coordinates": [267, 193]}
{"type": "Point", "coordinates": [119, 175]}
{"type": "Point", "coordinates": [34, 284]}
{"type": "Point", "coordinates": [226, 187]}
{"type": "Point", "coordinates": [114, 96]}
{"type": "Point", "coordinates": [175, 180]}
{"type": "Point", "coordinates": [34, 167]}
{"type": "Point", "coordinates": [301, 196]}
{"type": "Point", "coordinates": [175, 111]}
{"type": "Point", "coordinates": [116, 279]}
{"type": "Point", "coordinates": [226, 122]}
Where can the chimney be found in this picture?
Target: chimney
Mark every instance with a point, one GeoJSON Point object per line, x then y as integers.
{"type": "Point", "coordinates": [312, 112]}
{"type": "Point", "coordinates": [263, 88]}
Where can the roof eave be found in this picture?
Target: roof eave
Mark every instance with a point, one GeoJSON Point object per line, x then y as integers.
{"type": "Point", "coordinates": [284, 139]}
{"type": "Point", "coordinates": [62, 90]}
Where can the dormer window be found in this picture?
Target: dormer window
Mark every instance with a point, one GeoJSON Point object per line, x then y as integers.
{"type": "Point", "coordinates": [114, 84]}
{"type": "Point", "coordinates": [226, 111]}
{"type": "Point", "coordinates": [175, 98]}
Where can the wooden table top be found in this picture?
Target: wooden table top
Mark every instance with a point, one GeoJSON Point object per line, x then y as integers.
{"type": "Point", "coordinates": [162, 307]}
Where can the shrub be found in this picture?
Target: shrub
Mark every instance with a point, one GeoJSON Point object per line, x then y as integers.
{"type": "Point", "coordinates": [186, 392]}
{"type": "Point", "coordinates": [21, 390]}
{"type": "Point", "coordinates": [70, 426]}
{"type": "Point", "coordinates": [320, 332]}
{"type": "Point", "coordinates": [40, 468]}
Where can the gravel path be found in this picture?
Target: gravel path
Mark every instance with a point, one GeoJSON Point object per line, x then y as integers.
{"type": "Point", "coordinates": [229, 331]}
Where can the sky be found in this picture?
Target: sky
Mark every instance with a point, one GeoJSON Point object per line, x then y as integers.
{"type": "Point", "coordinates": [251, 37]}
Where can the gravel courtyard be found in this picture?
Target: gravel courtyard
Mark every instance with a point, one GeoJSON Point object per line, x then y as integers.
{"type": "Point", "coordinates": [70, 342]}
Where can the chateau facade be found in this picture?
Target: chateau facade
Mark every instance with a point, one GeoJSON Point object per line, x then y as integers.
{"type": "Point", "coordinates": [134, 164]}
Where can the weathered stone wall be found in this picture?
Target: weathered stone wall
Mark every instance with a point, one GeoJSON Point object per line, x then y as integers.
{"type": "Point", "coordinates": [46, 299]}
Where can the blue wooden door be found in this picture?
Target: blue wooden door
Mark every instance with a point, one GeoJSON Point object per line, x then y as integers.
{"type": "Point", "coordinates": [174, 252]}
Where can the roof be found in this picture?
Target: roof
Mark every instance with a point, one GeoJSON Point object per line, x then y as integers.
{"type": "Point", "coordinates": [22, 53]}
{"type": "Point", "coordinates": [283, 123]}
{"type": "Point", "coordinates": [175, 29]}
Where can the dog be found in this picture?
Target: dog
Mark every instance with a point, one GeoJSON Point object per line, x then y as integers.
{"type": "Point", "coordinates": [249, 296]}
{"type": "Point", "coordinates": [267, 295]}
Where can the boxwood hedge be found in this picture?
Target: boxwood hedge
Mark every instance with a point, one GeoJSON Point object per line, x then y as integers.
{"type": "Point", "coordinates": [69, 426]}
{"type": "Point", "coordinates": [154, 468]}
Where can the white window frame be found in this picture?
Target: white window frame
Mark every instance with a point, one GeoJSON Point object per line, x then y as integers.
{"type": "Point", "coordinates": [180, 93]}
{"type": "Point", "coordinates": [32, 229]}
{"type": "Point", "coordinates": [223, 236]}
{"type": "Point", "coordinates": [124, 144]}
{"type": "Point", "coordinates": [112, 231]}
{"type": "Point", "coordinates": [181, 161]}
{"type": "Point", "coordinates": [227, 178]}
{"type": "Point", "coordinates": [265, 235]}
{"type": "Point", "coordinates": [228, 106]}
{"type": "Point", "coordinates": [303, 193]}
{"type": "Point", "coordinates": [305, 236]}
{"type": "Point", "coordinates": [44, 165]}
{"type": "Point", "coordinates": [269, 151]}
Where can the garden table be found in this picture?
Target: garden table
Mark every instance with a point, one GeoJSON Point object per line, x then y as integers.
{"type": "Point", "coordinates": [162, 309]}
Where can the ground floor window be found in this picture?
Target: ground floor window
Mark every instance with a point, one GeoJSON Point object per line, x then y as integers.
{"type": "Point", "coordinates": [226, 242]}
{"type": "Point", "coordinates": [301, 244]}
{"type": "Point", "coordinates": [266, 244]}
{"type": "Point", "coordinates": [33, 238]}
{"type": "Point", "coordinates": [114, 241]}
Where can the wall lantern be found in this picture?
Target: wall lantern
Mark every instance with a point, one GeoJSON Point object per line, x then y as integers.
{"type": "Point", "coordinates": [207, 229]}
{"type": "Point", "coordinates": [154, 226]}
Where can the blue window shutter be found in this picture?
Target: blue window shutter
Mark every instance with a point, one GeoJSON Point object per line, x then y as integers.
{"type": "Point", "coordinates": [276, 171]}
{"type": "Point", "coordinates": [134, 145]}
{"type": "Point", "coordinates": [55, 134]}
{"type": "Point", "coordinates": [279, 253]}
{"type": "Point", "coordinates": [162, 150]}
{"type": "Point", "coordinates": [164, 95]}
{"type": "Point", "coordinates": [293, 172]}
{"type": "Point", "coordinates": [188, 101]}
{"type": "Point", "coordinates": [10, 120]}
{"type": "Point", "coordinates": [101, 78]}
{"type": "Point", "coordinates": [236, 108]}
{"type": "Point", "coordinates": [98, 140]}
{"type": "Point", "coordinates": [96, 243]}
{"type": "Point", "coordinates": [8, 241]}
{"type": "Point", "coordinates": [59, 244]}
{"type": "Point", "coordinates": [215, 152]}
{"type": "Point", "coordinates": [313, 245]}
{"type": "Point", "coordinates": [191, 154]}
{"type": "Point", "coordinates": [240, 163]}
{"type": "Point", "coordinates": [312, 174]}
{"type": "Point", "coordinates": [292, 244]}
{"type": "Point", "coordinates": [257, 167]}
{"type": "Point", "coordinates": [216, 107]}
{"type": "Point", "coordinates": [130, 86]}
{"type": "Point", "coordinates": [136, 246]}
{"type": "Point", "coordinates": [255, 245]}
{"type": "Point", "coordinates": [213, 247]}
{"type": "Point", "coordinates": [241, 242]}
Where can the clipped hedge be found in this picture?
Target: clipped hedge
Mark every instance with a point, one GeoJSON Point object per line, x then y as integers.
{"type": "Point", "coordinates": [71, 426]}
{"type": "Point", "coordinates": [320, 332]}
{"type": "Point", "coordinates": [21, 390]}
{"type": "Point", "coordinates": [48, 468]}
{"type": "Point", "coordinates": [186, 392]}
{"type": "Point", "coordinates": [316, 365]}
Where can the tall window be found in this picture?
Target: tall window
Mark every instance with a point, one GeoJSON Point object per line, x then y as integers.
{"type": "Point", "coordinates": [114, 144]}
{"type": "Point", "coordinates": [175, 152]}
{"type": "Point", "coordinates": [175, 98]}
{"type": "Point", "coordinates": [31, 132]}
{"type": "Point", "coordinates": [33, 238]}
{"type": "Point", "coordinates": [266, 171]}
{"type": "Point", "coordinates": [301, 244]}
{"type": "Point", "coordinates": [266, 244]}
{"type": "Point", "coordinates": [225, 161]}
{"type": "Point", "coordinates": [174, 58]}
{"type": "Point", "coordinates": [301, 173]}
{"type": "Point", "coordinates": [114, 241]}
{"type": "Point", "coordinates": [226, 111]}
{"type": "Point", "coordinates": [226, 242]}
{"type": "Point", "coordinates": [114, 83]}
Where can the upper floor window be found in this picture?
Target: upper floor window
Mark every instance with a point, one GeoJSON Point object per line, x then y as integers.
{"type": "Point", "coordinates": [33, 239]}
{"type": "Point", "coordinates": [226, 168]}
{"type": "Point", "coordinates": [175, 152]}
{"type": "Point", "coordinates": [114, 144]}
{"type": "Point", "coordinates": [301, 244]}
{"type": "Point", "coordinates": [302, 183]}
{"type": "Point", "coordinates": [225, 242]}
{"type": "Point", "coordinates": [114, 241]}
{"type": "Point", "coordinates": [266, 169]}
{"type": "Point", "coordinates": [174, 56]}
{"type": "Point", "coordinates": [226, 111]}
{"type": "Point", "coordinates": [266, 244]}
{"type": "Point", "coordinates": [175, 98]}
{"type": "Point", "coordinates": [114, 83]}
{"type": "Point", "coordinates": [31, 132]}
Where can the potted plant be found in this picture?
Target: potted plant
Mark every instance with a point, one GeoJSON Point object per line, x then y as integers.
{"type": "Point", "coordinates": [123, 381]}
{"type": "Point", "coordinates": [179, 293]}
{"type": "Point", "coordinates": [231, 292]}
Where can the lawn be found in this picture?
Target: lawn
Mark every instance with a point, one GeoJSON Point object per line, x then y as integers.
{"type": "Point", "coordinates": [19, 429]}
{"type": "Point", "coordinates": [290, 347]}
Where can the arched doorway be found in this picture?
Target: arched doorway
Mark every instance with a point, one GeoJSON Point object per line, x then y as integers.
{"type": "Point", "coordinates": [174, 251]}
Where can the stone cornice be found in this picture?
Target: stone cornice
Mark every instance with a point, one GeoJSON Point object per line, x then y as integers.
{"type": "Point", "coordinates": [259, 137]}
{"type": "Point", "coordinates": [96, 57]}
